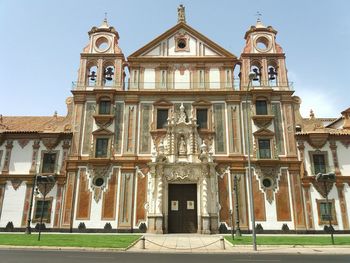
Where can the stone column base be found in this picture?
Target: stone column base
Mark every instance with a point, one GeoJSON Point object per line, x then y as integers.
{"type": "Point", "coordinates": [155, 224]}
{"type": "Point", "coordinates": [206, 225]}
{"type": "Point", "coordinates": [214, 224]}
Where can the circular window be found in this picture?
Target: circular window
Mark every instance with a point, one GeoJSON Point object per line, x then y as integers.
{"type": "Point", "coordinates": [262, 44]}
{"type": "Point", "coordinates": [267, 182]}
{"type": "Point", "coordinates": [102, 44]}
{"type": "Point", "coordinates": [181, 43]}
{"type": "Point", "coordinates": [99, 181]}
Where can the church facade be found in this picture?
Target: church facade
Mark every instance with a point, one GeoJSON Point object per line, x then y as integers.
{"type": "Point", "coordinates": [166, 150]}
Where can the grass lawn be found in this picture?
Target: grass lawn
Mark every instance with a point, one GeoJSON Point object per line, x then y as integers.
{"type": "Point", "coordinates": [69, 240]}
{"type": "Point", "coordinates": [290, 240]}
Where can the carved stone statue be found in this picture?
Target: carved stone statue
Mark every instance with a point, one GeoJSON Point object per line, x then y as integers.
{"type": "Point", "coordinates": [182, 115]}
{"type": "Point", "coordinates": [181, 14]}
{"type": "Point", "coordinates": [182, 147]}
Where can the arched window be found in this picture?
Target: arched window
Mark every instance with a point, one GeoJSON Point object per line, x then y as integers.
{"type": "Point", "coordinates": [91, 77]}
{"type": "Point", "coordinates": [256, 68]}
{"type": "Point", "coordinates": [237, 76]}
{"type": "Point", "coordinates": [272, 74]}
{"type": "Point", "coordinates": [108, 75]}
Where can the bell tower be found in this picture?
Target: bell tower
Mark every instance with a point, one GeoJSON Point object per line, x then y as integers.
{"type": "Point", "coordinates": [265, 57]}
{"type": "Point", "coordinates": [102, 60]}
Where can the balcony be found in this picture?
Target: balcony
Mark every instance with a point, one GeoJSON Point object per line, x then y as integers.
{"type": "Point", "coordinates": [236, 85]}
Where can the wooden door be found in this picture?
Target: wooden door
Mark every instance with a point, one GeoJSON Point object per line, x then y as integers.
{"type": "Point", "coordinates": [182, 208]}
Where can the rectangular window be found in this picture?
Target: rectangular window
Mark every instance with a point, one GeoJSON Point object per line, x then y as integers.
{"type": "Point", "coordinates": [162, 118]}
{"type": "Point", "coordinates": [49, 163]}
{"type": "Point", "coordinates": [104, 107]}
{"type": "Point", "coordinates": [326, 212]}
{"type": "Point", "coordinates": [319, 163]}
{"type": "Point", "coordinates": [264, 149]}
{"type": "Point", "coordinates": [202, 118]}
{"type": "Point", "coordinates": [42, 208]}
{"type": "Point", "coordinates": [101, 147]}
{"type": "Point", "coordinates": [261, 107]}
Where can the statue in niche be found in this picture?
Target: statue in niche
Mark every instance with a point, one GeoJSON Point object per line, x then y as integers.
{"type": "Point", "coordinates": [182, 147]}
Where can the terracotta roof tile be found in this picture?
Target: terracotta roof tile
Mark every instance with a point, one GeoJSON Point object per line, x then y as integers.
{"type": "Point", "coordinates": [10, 124]}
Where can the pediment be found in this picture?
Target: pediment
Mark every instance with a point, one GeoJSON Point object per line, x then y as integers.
{"type": "Point", "coordinates": [102, 131]}
{"type": "Point", "coordinates": [264, 133]}
{"type": "Point", "coordinates": [197, 45]}
{"type": "Point", "coordinates": [201, 102]}
{"type": "Point", "coordinates": [163, 102]}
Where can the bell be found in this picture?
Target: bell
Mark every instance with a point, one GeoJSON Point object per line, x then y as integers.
{"type": "Point", "coordinates": [92, 76]}
{"type": "Point", "coordinates": [257, 74]}
{"type": "Point", "coordinates": [272, 73]}
{"type": "Point", "coordinates": [109, 74]}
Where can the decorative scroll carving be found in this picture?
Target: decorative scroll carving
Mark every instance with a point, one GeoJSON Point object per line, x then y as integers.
{"type": "Point", "coordinates": [142, 172]}
{"type": "Point", "coordinates": [180, 173]}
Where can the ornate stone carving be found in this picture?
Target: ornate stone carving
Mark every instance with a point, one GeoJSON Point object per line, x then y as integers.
{"type": "Point", "coordinates": [101, 171]}
{"type": "Point", "coordinates": [181, 173]}
{"type": "Point", "coordinates": [345, 142]}
{"type": "Point", "coordinates": [23, 142]}
{"type": "Point", "coordinates": [318, 140]}
{"type": "Point", "coordinates": [16, 183]}
{"type": "Point", "coordinates": [272, 174]}
{"type": "Point", "coordinates": [50, 142]}
{"type": "Point", "coordinates": [45, 188]}
{"type": "Point", "coordinates": [321, 189]}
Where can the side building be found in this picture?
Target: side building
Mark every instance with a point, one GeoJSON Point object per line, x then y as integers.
{"type": "Point", "coordinates": [31, 146]}
{"type": "Point", "coordinates": [323, 147]}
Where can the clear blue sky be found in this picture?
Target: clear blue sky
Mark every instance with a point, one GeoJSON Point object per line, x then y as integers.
{"type": "Point", "coordinates": [41, 42]}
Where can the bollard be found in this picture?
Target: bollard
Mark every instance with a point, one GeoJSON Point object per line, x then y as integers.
{"type": "Point", "coordinates": [142, 242]}
{"type": "Point", "coordinates": [222, 242]}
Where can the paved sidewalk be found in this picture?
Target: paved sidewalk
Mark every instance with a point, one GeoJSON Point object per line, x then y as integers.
{"type": "Point", "coordinates": [193, 243]}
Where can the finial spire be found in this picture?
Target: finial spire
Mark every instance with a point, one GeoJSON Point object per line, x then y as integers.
{"type": "Point", "coordinates": [259, 24]}
{"type": "Point", "coordinates": [105, 22]}
{"type": "Point", "coordinates": [258, 15]}
{"type": "Point", "coordinates": [181, 17]}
